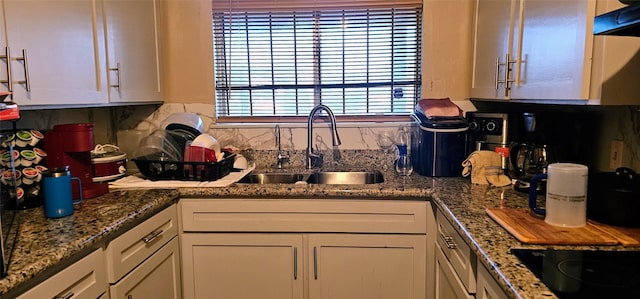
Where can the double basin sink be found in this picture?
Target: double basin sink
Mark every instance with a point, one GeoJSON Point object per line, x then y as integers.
{"type": "Point", "coordinates": [323, 177]}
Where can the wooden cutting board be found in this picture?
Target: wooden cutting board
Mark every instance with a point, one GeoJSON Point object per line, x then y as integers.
{"type": "Point", "coordinates": [628, 237]}
{"type": "Point", "coordinates": [533, 230]}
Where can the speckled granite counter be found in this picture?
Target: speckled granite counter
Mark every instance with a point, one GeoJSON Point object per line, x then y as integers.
{"type": "Point", "coordinates": [465, 204]}
{"type": "Point", "coordinates": [46, 245]}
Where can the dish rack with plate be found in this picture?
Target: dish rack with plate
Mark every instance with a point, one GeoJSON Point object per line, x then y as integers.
{"type": "Point", "coordinates": [154, 168]}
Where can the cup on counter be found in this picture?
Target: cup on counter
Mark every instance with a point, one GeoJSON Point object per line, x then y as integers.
{"type": "Point", "coordinates": [58, 198]}
{"type": "Point", "coordinates": [566, 195]}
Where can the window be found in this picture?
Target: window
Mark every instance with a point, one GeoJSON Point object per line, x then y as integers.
{"type": "Point", "coordinates": [281, 58]}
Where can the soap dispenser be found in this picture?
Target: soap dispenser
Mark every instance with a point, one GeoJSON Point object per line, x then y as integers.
{"type": "Point", "coordinates": [403, 163]}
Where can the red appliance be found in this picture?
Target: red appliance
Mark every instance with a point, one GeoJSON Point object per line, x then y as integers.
{"type": "Point", "coordinates": [71, 145]}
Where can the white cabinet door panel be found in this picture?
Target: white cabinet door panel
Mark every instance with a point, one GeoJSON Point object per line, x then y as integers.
{"type": "Point", "coordinates": [132, 41]}
{"type": "Point", "coordinates": [65, 52]}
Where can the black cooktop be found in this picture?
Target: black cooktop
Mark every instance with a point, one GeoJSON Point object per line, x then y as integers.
{"type": "Point", "coordinates": [585, 274]}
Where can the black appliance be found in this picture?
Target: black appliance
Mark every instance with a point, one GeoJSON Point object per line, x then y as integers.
{"type": "Point", "coordinates": [585, 274]}
{"type": "Point", "coordinates": [623, 22]}
{"type": "Point", "coordinates": [438, 145]}
{"type": "Point", "coordinates": [488, 131]}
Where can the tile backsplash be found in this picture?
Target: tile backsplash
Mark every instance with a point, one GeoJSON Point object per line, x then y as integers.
{"type": "Point", "coordinates": [126, 125]}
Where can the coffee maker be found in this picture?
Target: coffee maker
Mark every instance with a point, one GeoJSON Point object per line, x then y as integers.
{"type": "Point", "coordinates": [71, 145]}
{"type": "Point", "coordinates": [528, 159]}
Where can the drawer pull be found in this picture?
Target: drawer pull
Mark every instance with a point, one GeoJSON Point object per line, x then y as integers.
{"type": "Point", "coordinates": [65, 296]}
{"type": "Point", "coordinates": [295, 263]}
{"type": "Point", "coordinates": [150, 237]}
{"type": "Point", "coordinates": [448, 241]}
{"type": "Point", "coordinates": [315, 263]}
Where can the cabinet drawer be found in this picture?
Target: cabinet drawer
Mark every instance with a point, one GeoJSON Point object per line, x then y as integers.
{"type": "Point", "coordinates": [304, 215]}
{"type": "Point", "coordinates": [488, 288]}
{"type": "Point", "coordinates": [457, 252]}
{"type": "Point", "coordinates": [448, 284]}
{"type": "Point", "coordinates": [85, 278]}
{"type": "Point", "coordinates": [131, 248]}
{"type": "Point", "coordinates": [157, 277]}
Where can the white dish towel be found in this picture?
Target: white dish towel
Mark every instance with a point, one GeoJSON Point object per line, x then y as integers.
{"type": "Point", "coordinates": [134, 182]}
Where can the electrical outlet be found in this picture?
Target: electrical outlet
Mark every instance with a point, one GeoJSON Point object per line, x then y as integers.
{"type": "Point", "coordinates": [616, 154]}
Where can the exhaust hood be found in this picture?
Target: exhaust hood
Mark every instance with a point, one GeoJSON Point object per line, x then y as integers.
{"type": "Point", "coordinates": [623, 22]}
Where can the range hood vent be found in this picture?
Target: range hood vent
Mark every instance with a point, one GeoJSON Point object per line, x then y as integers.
{"type": "Point", "coordinates": [623, 22]}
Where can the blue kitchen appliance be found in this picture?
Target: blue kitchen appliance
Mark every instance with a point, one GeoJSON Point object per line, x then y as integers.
{"type": "Point", "coordinates": [438, 145]}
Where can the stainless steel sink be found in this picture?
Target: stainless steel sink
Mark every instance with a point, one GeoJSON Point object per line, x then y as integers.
{"type": "Point", "coordinates": [273, 178]}
{"type": "Point", "coordinates": [346, 177]}
{"type": "Point", "coordinates": [323, 177]}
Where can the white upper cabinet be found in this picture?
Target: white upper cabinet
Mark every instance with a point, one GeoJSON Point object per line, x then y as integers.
{"type": "Point", "coordinates": [554, 51]}
{"type": "Point", "coordinates": [56, 54]}
{"type": "Point", "coordinates": [133, 51]}
{"type": "Point", "coordinates": [492, 44]}
{"type": "Point", "coordinates": [533, 49]}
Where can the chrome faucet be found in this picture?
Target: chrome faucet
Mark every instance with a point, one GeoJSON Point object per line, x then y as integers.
{"type": "Point", "coordinates": [281, 159]}
{"type": "Point", "coordinates": [314, 160]}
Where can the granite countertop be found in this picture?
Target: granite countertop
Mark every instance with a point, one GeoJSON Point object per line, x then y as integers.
{"type": "Point", "coordinates": [47, 245]}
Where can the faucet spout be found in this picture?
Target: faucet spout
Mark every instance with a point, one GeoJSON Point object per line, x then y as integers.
{"type": "Point", "coordinates": [315, 159]}
{"type": "Point", "coordinates": [281, 159]}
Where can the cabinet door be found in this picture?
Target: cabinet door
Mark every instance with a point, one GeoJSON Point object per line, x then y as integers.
{"type": "Point", "coordinates": [242, 266]}
{"type": "Point", "coordinates": [158, 277]}
{"type": "Point", "coordinates": [448, 284]}
{"type": "Point", "coordinates": [367, 266]}
{"type": "Point", "coordinates": [85, 278]}
{"type": "Point", "coordinates": [554, 51]}
{"type": "Point", "coordinates": [64, 52]}
{"type": "Point", "coordinates": [132, 51]}
{"type": "Point", "coordinates": [488, 288]}
{"type": "Point", "coordinates": [494, 23]}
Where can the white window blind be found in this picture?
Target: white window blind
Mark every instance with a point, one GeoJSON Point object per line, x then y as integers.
{"type": "Point", "coordinates": [281, 58]}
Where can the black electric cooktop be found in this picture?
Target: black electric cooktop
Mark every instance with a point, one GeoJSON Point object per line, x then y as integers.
{"type": "Point", "coordinates": [585, 274]}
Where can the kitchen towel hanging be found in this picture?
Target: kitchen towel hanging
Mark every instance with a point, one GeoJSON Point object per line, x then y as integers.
{"type": "Point", "coordinates": [485, 167]}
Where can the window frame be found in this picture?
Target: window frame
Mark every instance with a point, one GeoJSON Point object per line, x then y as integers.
{"type": "Point", "coordinates": [383, 117]}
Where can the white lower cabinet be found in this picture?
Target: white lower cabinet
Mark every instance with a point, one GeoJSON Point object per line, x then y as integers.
{"type": "Point", "coordinates": [303, 248]}
{"type": "Point", "coordinates": [455, 273]}
{"type": "Point", "coordinates": [242, 265]}
{"type": "Point", "coordinates": [366, 266]}
{"type": "Point", "coordinates": [448, 284]}
{"type": "Point", "coordinates": [157, 277]}
{"type": "Point", "coordinates": [458, 275]}
{"type": "Point", "coordinates": [488, 288]}
{"type": "Point", "coordinates": [85, 278]}
{"type": "Point", "coordinates": [144, 262]}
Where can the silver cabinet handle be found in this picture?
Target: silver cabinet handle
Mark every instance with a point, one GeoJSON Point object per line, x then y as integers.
{"type": "Point", "coordinates": [315, 263]}
{"type": "Point", "coordinates": [151, 236]}
{"type": "Point", "coordinates": [65, 296]}
{"type": "Point", "coordinates": [25, 62]}
{"type": "Point", "coordinates": [507, 70]}
{"type": "Point", "coordinates": [497, 73]}
{"type": "Point", "coordinates": [117, 70]}
{"type": "Point", "coordinates": [448, 241]}
{"type": "Point", "coordinates": [7, 57]}
{"type": "Point", "coordinates": [295, 263]}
